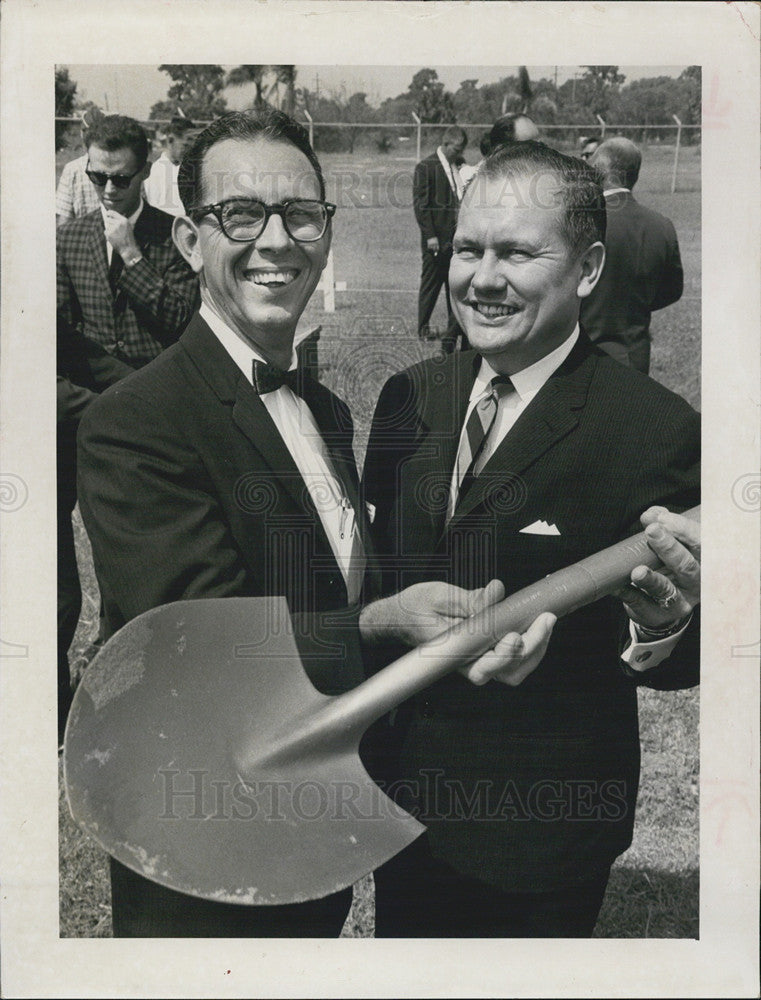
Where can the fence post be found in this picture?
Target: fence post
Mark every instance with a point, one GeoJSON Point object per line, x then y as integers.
{"type": "Point", "coordinates": [417, 122]}
{"type": "Point", "coordinates": [602, 126]}
{"type": "Point", "coordinates": [676, 152]}
{"type": "Point", "coordinates": [311, 127]}
{"type": "Point", "coordinates": [328, 282]}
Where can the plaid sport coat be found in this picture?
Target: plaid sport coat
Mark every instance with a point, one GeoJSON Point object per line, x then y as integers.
{"type": "Point", "coordinates": [152, 301]}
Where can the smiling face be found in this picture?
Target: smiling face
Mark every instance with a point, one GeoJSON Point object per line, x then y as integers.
{"type": "Point", "coordinates": [259, 289]}
{"type": "Point", "coordinates": [515, 283]}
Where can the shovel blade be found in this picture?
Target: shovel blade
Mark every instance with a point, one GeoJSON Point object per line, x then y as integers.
{"type": "Point", "coordinates": [152, 750]}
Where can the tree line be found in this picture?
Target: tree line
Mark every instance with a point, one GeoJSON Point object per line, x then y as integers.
{"type": "Point", "coordinates": [197, 92]}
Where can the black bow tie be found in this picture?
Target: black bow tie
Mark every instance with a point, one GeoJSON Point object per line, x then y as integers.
{"type": "Point", "coordinates": [269, 378]}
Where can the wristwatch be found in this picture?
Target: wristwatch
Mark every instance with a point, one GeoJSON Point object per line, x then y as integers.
{"type": "Point", "coordinates": [130, 262]}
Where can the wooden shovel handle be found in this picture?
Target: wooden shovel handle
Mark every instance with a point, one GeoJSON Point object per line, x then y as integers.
{"type": "Point", "coordinates": [561, 593]}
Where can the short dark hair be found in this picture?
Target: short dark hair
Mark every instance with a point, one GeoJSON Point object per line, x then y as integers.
{"type": "Point", "coordinates": [112, 132]}
{"type": "Point", "coordinates": [454, 133]}
{"type": "Point", "coordinates": [178, 127]}
{"type": "Point", "coordinates": [580, 186]}
{"type": "Point", "coordinates": [503, 130]}
{"type": "Point", "coordinates": [267, 123]}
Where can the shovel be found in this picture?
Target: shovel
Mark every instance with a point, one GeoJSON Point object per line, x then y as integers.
{"type": "Point", "coordinates": [199, 754]}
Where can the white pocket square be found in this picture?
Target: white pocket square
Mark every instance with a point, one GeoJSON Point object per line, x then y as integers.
{"type": "Point", "coordinates": [370, 507]}
{"type": "Point", "coordinates": [539, 528]}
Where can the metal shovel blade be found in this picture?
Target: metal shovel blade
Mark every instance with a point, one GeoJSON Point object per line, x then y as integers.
{"type": "Point", "coordinates": [199, 754]}
{"type": "Point", "coordinates": [155, 761]}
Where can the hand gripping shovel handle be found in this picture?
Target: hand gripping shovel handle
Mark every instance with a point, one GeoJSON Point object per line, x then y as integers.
{"type": "Point", "coordinates": [561, 593]}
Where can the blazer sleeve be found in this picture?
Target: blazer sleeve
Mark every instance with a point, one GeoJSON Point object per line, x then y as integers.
{"type": "Point", "coordinates": [672, 275]}
{"type": "Point", "coordinates": [668, 475]}
{"type": "Point", "coordinates": [423, 198]}
{"type": "Point", "coordinates": [157, 531]}
{"type": "Point", "coordinates": [163, 289]}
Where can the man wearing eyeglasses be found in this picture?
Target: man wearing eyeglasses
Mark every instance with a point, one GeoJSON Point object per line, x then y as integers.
{"type": "Point", "coordinates": [220, 470]}
{"type": "Point", "coordinates": [120, 279]}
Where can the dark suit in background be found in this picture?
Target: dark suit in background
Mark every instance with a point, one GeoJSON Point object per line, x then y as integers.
{"type": "Point", "coordinates": [643, 272]}
{"type": "Point", "coordinates": [435, 203]}
{"type": "Point", "coordinates": [529, 789]}
{"type": "Point", "coordinates": [84, 369]}
{"type": "Point", "coordinates": [139, 311]}
{"type": "Point", "coordinates": [187, 490]}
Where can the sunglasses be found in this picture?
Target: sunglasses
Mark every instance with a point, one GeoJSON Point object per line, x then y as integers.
{"type": "Point", "coordinates": [244, 219]}
{"type": "Point", "coordinates": [100, 179]}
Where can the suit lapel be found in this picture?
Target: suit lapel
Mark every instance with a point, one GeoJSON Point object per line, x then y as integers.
{"type": "Point", "coordinates": [442, 413]}
{"type": "Point", "coordinates": [548, 418]}
{"type": "Point", "coordinates": [250, 415]}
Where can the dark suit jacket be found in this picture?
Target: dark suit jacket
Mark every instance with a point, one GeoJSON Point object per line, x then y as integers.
{"type": "Point", "coordinates": [187, 490]}
{"type": "Point", "coordinates": [152, 302]}
{"type": "Point", "coordinates": [530, 787]}
{"type": "Point", "coordinates": [434, 201]}
{"type": "Point", "coordinates": [643, 272]}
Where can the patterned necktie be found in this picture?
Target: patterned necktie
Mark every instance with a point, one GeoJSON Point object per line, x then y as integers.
{"type": "Point", "coordinates": [269, 378]}
{"type": "Point", "coordinates": [477, 428]}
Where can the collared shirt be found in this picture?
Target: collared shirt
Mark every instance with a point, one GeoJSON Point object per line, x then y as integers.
{"type": "Point", "coordinates": [132, 220]}
{"type": "Point", "coordinates": [76, 194]}
{"type": "Point", "coordinates": [641, 655]}
{"type": "Point", "coordinates": [161, 188]}
{"type": "Point", "coordinates": [453, 174]}
{"type": "Point", "coordinates": [301, 435]}
{"type": "Point", "coordinates": [526, 384]}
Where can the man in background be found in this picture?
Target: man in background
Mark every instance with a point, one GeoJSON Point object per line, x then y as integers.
{"type": "Point", "coordinates": [161, 186]}
{"type": "Point", "coordinates": [512, 127]}
{"type": "Point", "coordinates": [123, 293]}
{"type": "Point", "coordinates": [75, 194]}
{"type": "Point", "coordinates": [436, 191]}
{"type": "Point", "coordinates": [120, 279]}
{"type": "Point", "coordinates": [643, 267]}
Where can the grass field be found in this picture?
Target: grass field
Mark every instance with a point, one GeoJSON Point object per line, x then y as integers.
{"type": "Point", "coordinates": [654, 888]}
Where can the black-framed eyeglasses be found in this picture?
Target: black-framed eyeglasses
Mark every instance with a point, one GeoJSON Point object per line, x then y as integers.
{"type": "Point", "coordinates": [100, 179]}
{"type": "Point", "coordinates": [244, 219]}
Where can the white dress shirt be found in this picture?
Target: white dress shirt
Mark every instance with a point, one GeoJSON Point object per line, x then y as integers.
{"type": "Point", "coordinates": [301, 435]}
{"type": "Point", "coordinates": [640, 655]}
{"type": "Point", "coordinates": [453, 174]}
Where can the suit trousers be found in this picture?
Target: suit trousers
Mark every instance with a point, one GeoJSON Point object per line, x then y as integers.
{"type": "Point", "coordinates": [435, 273]}
{"type": "Point", "coordinates": [417, 895]}
{"type": "Point", "coordinates": [142, 908]}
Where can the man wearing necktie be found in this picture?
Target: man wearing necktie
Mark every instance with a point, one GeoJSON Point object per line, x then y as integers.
{"type": "Point", "coordinates": [436, 191]}
{"type": "Point", "coordinates": [509, 462]}
{"type": "Point", "coordinates": [221, 470]}
{"type": "Point", "coordinates": [120, 279]}
{"type": "Point", "coordinates": [124, 293]}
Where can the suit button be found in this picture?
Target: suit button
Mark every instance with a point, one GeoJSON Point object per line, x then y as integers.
{"type": "Point", "coordinates": [642, 657]}
{"type": "Point", "coordinates": [426, 710]}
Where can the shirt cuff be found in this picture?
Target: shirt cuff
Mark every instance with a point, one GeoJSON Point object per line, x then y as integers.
{"type": "Point", "coordinates": [641, 656]}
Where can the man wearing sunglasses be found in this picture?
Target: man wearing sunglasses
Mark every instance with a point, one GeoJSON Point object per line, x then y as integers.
{"type": "Point", "coordinates": [123, 294]}
{"type": "Point", "coordinates": [121, 280]}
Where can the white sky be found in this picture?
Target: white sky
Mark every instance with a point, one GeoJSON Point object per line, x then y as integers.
{"type": "Point", "coordinates": [132, 90]}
